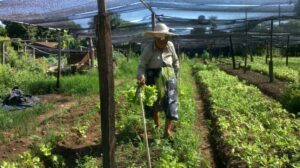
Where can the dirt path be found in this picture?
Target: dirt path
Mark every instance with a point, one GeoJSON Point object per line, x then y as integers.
{"type": "Point", "coordinates": [206, 148]}
{"type": "Point", "coordinates": [274, 89]}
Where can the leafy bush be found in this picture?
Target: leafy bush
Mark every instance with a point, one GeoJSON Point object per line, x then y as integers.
{"type": "Point", "coordinates": [291, 98]}
{"type": "Point", "coordinates": [10, 77]}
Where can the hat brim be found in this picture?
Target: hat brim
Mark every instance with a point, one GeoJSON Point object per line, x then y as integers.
{"type": "Point", "coordinates": [158, 34]}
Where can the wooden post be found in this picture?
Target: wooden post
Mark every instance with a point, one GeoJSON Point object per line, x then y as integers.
{"type": "Point", "coordinates": [59, 61]}
{"type": "Point", "coordinates": [92, 52]}
{"type": "Point", "coordinates": [271, 54]}
{"type": "Point", "coordinates": [250, 49]}
{"type": "Point", "coordinates": [232, 52]}
{"type": "Point", "coordinates": [246, 43]}
{"type": "Point", "coordinates": [279, 13]}
{"type": "Point", "coordinates": [106, 82]}
{"type": "Point", "coordinates": [287, 51]}
{"type": "Point", "coordinates": [25, 48]}
{"type": "Point", "coordinates": [267, 54]}
{"type": "Point", "coordinates": [153, 21]}
{"type": "Point", "coordinates": [3, 53]}
{"type": "Point", "coordinates": [33, 53]}
{"type": "Point", "coordinates": [178, 49]}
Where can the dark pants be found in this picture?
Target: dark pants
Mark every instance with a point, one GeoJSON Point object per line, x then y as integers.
{"type": "Point", "coordinates": [170, 100]}
{"type": "Point", "coordinates": [151, 78]}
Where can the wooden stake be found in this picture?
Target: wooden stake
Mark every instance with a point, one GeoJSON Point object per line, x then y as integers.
{"type": "Point", "coordinates": [287, 51]}
{"type": "Point", "coordinates": [232, 52]}
{"type": "Point", "coordinates": [3, 53]}
{"type": "Point", "coordinates": [271, 54]}
{"type": "Point", "coordinates": [153, 21]}
{"type": "Point", "coordinates": [279, 14]}
{"type": "Point", "coordinates": [267, 54]}
{"type": "Point", "coordinates": [106, 83]}
{"type": "Point", "coordinates": [92, 52]}
{"type": "Point", "coordinates": [59, 61]}
{"type": "Point", "coordinates": [246, 44]}
{"type": "Point", "coordinates": [25, 48]}
{"type": "Point", "coordinates": [33, 53]}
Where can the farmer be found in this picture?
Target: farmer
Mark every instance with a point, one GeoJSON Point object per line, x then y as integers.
{"type": "Point", "coordinates": [159, 66]}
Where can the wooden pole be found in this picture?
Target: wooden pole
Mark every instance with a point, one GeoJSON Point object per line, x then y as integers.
{"type": "Point", "coordinates": [232, 52]}
{"type": "Point", "coordinates": [92, 52]}
{"type": "Point", "coordinates": [271, 54]}
{"type": "Point", "coordinates": [25, 48]}
{"type": "Point", "coordinates": [246, 43]}
{"type": "Point", "coordinates": [267, 54]}
{"type": "Point", "coordinates": [250, 50]}
{"type": "Point", "coordinates": [153, 21]}
{"type": "Point", "coordinates": [106, 83]}
{"type": "Point", "coordinates": [33, 53]}
{"type": "Point", "coordinates": [287, 51]}
{"type": "Point", "coordinates": [178, 49]}
{"type": "Point", "coordinates": [3, 53]}
{"type": "Point", "coordinates": [59, 61]}
{"type": "Point", "coordinates": [279, 13]}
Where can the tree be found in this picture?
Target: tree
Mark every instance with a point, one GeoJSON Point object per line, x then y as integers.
{"type": "Point", "coordinates": [205, 25]}
{"type": "Point", "coordinates": [115, 21]}
{"type": "Point", "coordinates": [16, 30]}
{"type": "Point", "coordinates": [2, 31]}
{"type": "Point", "coordinates": [202, 29]}
{"type": "Point", "coordinates": [213, 24]}
{"type": "Point", "coordinates": [43, 33]}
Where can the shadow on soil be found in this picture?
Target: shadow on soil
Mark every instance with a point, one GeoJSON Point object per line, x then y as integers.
{"type": "Point", "coordinates": [70, 155]}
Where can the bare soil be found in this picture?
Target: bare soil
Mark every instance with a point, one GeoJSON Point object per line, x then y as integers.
{"type": "Point", "coordinates": [60, 119]}
{"type": "Point", "coordinates": [273, 89]}
{"type": "Point", "coordinates": [206, 147]}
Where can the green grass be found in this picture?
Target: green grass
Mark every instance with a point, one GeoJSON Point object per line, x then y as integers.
{"type": "Point", "coordinates": [78, 84]}
{"type": "Point", "coordinates": [11, 119]}
{"type": "Point", "coordinates": [22, 121]}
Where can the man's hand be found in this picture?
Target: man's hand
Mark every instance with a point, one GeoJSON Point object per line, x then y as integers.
{"type": "Point", "coordinates": [141, 80]}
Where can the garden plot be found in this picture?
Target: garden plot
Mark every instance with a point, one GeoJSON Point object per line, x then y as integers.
{"type": "Point", "coordinates": [250, 130]}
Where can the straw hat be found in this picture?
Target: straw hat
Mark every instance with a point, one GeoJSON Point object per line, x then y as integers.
{"type": "Point", "coordinates": [161, 30]}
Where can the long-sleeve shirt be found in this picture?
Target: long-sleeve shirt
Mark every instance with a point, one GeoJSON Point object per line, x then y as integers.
{"type": "Point", "coordinates": [153, 58]}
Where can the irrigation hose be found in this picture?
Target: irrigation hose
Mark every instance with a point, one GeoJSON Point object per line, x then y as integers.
{"type": "Point", "coordinates": [145, 127]}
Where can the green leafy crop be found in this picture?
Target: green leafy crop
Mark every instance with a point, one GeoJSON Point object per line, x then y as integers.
{"type": "Point", "coordinates": [148, 94]}
{"type": "Point", "coordinates": [257, 130]}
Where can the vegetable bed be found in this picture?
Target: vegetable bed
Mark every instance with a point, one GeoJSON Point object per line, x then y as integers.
{"type": "Point", "coordinates": [249, 129]}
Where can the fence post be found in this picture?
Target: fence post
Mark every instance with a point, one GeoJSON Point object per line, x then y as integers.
{"type": "Point", "coordinates": [271, 54]}
{"type": "Point", "coordinates": [92, 52]}
{"type": "Point", "coordinates": [287, 51]}
{"type": "Point", "coordinates": [59, 61]}
{"type": "Point", "coordinates": [232, 52]}
{"type": "Point", "coordinates": [106, 82]}
{"type": "Point", "coordinates": [3, 53]}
